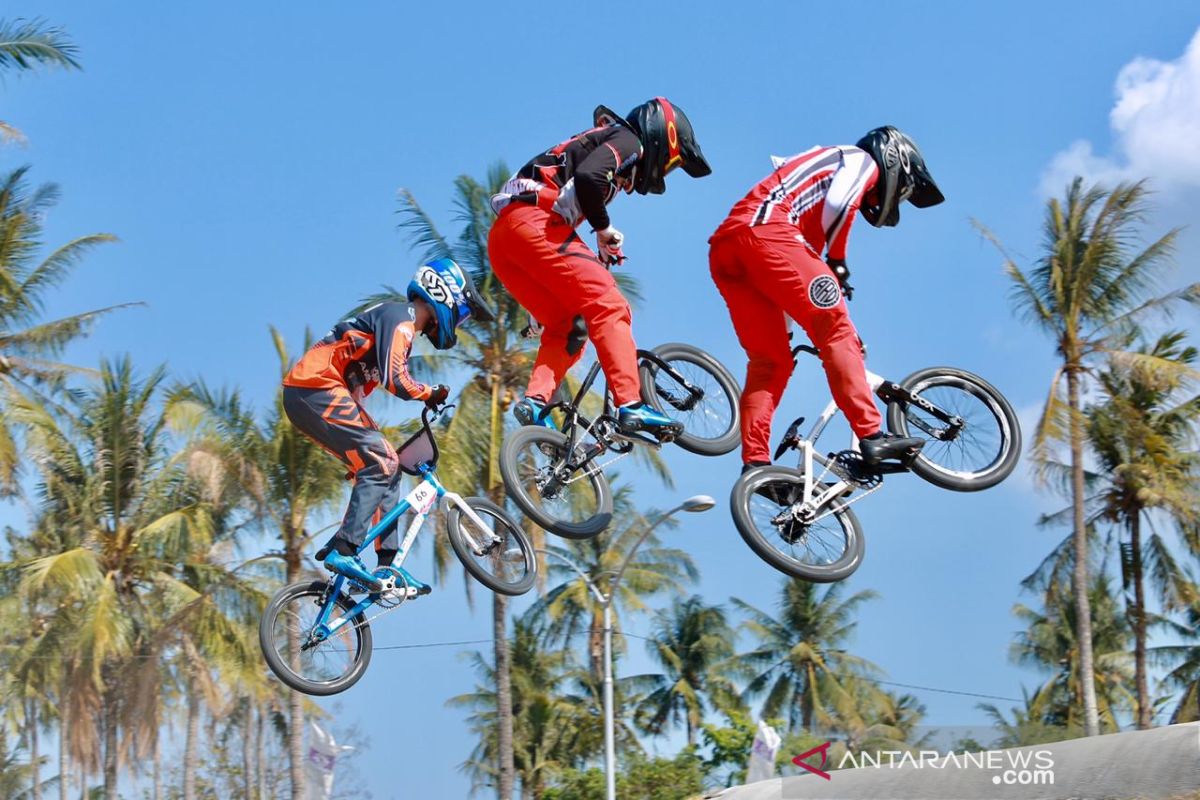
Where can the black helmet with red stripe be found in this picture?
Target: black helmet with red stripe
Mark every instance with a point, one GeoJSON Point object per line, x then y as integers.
{"type": "Point", "coordinates": [902, 176]}
{"type": "Point", "coordinates": [668, 141]}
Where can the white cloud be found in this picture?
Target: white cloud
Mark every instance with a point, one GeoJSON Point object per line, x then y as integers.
{"type": "Point", "coordinates": [1155, 125]}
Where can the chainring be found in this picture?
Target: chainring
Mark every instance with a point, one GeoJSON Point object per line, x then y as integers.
{"type": "Point", "coordinates": [850, 466]}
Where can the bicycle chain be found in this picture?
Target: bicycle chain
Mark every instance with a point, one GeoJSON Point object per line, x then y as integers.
{"type": "Point", "coordinates": [840, 503]}
{"type": "Point", "coordinates": [599, 468]}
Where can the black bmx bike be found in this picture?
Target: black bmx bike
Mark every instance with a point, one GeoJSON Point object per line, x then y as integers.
{"type": "Point", "coordinates": [557, 476]}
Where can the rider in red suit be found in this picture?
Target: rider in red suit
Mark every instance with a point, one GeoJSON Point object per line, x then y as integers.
{"type": "Point", "coordinates": [539, 257]}
{"type": "Point", "coordinates": [766, 261]}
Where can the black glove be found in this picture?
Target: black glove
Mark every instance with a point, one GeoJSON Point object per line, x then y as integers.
{"type": "Point", "coordinates": [842, 273]}
{"type": "Point", "coordinates": [437, 395]}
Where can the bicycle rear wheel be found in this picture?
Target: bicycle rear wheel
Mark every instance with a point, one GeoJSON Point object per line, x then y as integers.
{"type": "Point", "coordinates": [707, 405]}
{"type": "Point", "coordinates": [977, 455]}
{"type": "Point", "coordinates": [827, 550]}
{"type": "Point", "coordinates": [297, 656]}
{"type": "Point", "coordinates": [499, 555]}
{"type": "Point", "coordinates": [573, 503]}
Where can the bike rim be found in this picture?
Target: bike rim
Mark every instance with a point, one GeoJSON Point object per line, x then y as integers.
{"type": "Point", "coordinates": [713, 414]}
{"type": "Point", "coordinates": [574, 502]}
{"type": "Point", "coordinates": [980, 446]}
{"type": "Point", "coordinates": [325, 662]}
{"type": "Point", "coordinates": [504, 558]}
{"type": "Point", "coordinates": [820, 545]}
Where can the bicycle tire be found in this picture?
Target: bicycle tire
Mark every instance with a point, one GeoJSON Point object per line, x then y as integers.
{"type": "Point", "coordinates": [711, 443]}
{"type": "Point", "coordinates": [745, 491]}
{"type": "Point", "coordinates": [929, 464]}
{"type": "Point", "coordinates": [360, 629]}
{"type": "Point", "coordinates": [530, 439]}
{"type": "Point", "coordinates": [460, 541]}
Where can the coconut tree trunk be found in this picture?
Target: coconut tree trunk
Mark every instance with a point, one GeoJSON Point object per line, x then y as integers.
{"type": "Point", "coordinates": [35, 760]}
{"type": "Point", "coordinates": [504, 711]}
{"type": "Point", "coordinates": [64, 766]}
{"type": "Point", "coordinates": [596, 648]}
{"type": "Point", "coordinates": [157, 769]}
{"type": "Point", "coordinates": [1083, 609]}
{"type": "Point", "coordinates": [503, 696]}
{"type": "Point", "coordinates": [260, 759]}
{"type": "Point", "coordinates": [1139, 624]}
{"type": "Point", "coordinates": [248, 749]}
{"type": "Point", "coordinates": [110, 740]}
{"type": "Point", "coordinates": [295, 734]}
{"type": "Point", "coordinates": [191, 738]}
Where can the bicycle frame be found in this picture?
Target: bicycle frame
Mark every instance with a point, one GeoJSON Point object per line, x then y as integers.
{"type": "Point", "coordinates": [603, 426]}
{"type": "Point", "coordinates": [422, 500]}
{"type": "Point", "coordinates": [885, 390]}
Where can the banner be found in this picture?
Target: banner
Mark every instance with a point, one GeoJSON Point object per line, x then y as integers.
{"type": "Point", "coordinates": [762, 754]}
{"type": "Point", "coordinates": [323, 754]}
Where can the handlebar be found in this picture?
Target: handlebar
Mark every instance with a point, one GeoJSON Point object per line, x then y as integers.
{"type": "Point", "coordinates": [431, 415]}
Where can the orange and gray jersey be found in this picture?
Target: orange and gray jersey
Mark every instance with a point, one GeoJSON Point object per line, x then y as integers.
{"type": "Point", "coordinates": [369, 350]}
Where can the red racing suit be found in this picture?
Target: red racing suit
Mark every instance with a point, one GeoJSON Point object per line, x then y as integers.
{"type": "Point", "coordinates": [537, 254]}
{"type": "Point", "coordinates": [323, 396]}
{"type": "Point", "coordinates": [766, 261]}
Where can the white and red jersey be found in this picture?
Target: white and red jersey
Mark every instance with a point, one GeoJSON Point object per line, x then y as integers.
{"type": "Point", "coordinates": [817, 191]}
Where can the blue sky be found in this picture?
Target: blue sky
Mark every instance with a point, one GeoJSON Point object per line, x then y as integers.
{"type": "Point", "coordinates": [248, 156]}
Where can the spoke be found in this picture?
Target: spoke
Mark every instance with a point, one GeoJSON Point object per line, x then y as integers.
{"type": "Point", "coordinates": [819, 544]}
{"type": "Point", "coordinates": [712, 414]}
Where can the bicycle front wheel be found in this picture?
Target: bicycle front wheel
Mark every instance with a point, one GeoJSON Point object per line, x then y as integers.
{"type": "Point", "coordinates": [975, 451]}
{"type": "Point", "coordinates": [287, 633]}
{"type": "Point", "coordinates": [573, 503]}
{"type": "Point", "coordinates": [498, 554]}
{"type": "Point", "coordinates": [701, 394]}
{"type": "Point", "coordinates": [826, 550]}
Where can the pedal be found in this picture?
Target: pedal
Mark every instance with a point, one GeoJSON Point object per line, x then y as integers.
{"type": "Point", "coordinates": [637, 438]}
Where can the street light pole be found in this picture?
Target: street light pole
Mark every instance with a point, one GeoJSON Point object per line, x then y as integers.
{"type": "Point", "coordinates": [693, 504]}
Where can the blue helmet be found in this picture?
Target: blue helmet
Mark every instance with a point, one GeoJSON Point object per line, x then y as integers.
{"type": "Point", "coordinates": [449, 291]}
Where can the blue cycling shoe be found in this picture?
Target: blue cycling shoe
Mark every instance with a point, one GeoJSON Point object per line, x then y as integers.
{"type": "Point", "coordinates": [532, 411]}
{"type": "Point", "coordinates": [639, 417]}
{"type": "Point", "coordinates": [353, 568]}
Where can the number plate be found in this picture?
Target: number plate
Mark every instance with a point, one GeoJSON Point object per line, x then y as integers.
{"type": "Point", "coordinates": [422, 498]}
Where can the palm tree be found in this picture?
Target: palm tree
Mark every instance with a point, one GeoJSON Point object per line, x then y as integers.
{"type": "Point", "coordinates": [284, 478]}
{"type": "Point", "coordinates": [570, 609]}
{"type": "Point", "coordinates": [26, 44]}
{"type": "Point", "coordinates": [126, 521]}
{"type": "Point", "coordinates": [689, 639]}
{"type": "Point", "coordinates": [1142, 435]}
{"type": "Point", "coordinates": [551, 726]}
{"type": "Point", "coordinates": [1091, 284]}
{"type": "Point", "coordinates": [800, 662]}
{"type": "Point", "coordinates": [498, 360]}
{"type": "Point", "coordinates": [1026, 726]}
{"type": "Point", "coordinates": [1051, 643]}
{"type": "Point", "coordinates": [1184, 660]}
{"type": "Point", "coordinates": [27, 345]}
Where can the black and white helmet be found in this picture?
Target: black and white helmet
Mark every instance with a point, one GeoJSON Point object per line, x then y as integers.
{"type": "Point", "coordinates": [902, 176]}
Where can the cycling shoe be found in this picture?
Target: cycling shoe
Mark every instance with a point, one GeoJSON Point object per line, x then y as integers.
{"type": "Point", "coordinates": [353, 568]}
{"type": "Point", "coordinates": [532, 411]}
{"type": "Point", "coordinates": [884, 446]}
{"type": "Point", "coordinates": [640, 418]}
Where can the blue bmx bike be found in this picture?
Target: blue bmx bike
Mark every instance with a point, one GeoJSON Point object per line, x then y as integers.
{"type": "Point", "coordinates": [316, 636]}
